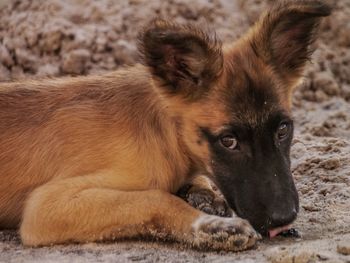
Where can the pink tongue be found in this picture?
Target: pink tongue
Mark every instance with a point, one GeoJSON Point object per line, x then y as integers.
{"type": "Point", "coordinates": [276, 231]}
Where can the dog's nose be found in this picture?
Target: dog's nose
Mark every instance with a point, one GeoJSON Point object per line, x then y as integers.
{"type": "Point", "coordinates": [282, 218]}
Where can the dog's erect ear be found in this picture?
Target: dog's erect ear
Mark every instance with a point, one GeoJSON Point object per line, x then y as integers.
{"type": "Point", "coordinates": [283, 36]}
{"type": "Point", "coordinates": [184, 59]}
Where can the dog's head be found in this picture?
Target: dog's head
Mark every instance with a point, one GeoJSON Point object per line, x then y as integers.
{"type": "Point", "coordinates": [232, 103]}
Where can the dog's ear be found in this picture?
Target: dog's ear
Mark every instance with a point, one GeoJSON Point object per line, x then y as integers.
{"type": "Point", "coordinates": [184, 59]}
{"type": "Point", "coordinates": [283, 36]}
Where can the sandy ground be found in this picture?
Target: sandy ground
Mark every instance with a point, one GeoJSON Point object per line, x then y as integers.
{"type": "Point", "coordinates": [60, 37]}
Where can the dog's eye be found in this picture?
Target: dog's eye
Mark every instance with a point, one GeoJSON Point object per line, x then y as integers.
{"type": "Point", "coordinates": [229, 141]}
{"type": "Point", "coordinates": [283, 130]}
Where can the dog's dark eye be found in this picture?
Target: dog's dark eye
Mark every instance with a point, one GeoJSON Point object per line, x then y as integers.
{"type": "Point", "coordinates": [229, 141]}
{"type": "Point", "coordinates": [283, 130]}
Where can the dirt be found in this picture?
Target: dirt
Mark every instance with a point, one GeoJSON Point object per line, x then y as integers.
{"type": "Point", "coordinates": [60, 37]}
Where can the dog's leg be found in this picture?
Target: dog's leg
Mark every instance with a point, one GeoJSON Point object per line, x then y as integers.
{"type": "Point", "coordinates": [200, 194]}
{"type": "Point", "coordinates": [84, 209]}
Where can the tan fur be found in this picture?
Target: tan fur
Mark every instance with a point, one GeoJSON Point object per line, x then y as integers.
{"type": "Point", "coordinates": [73, 146]}
{"type": "Point", "coordinates": [80, 135]}
{"type": "Point", "coordinates": [80, 157]}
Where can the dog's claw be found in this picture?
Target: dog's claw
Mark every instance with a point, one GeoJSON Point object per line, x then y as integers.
{"type": "Point", "coordinates": [208, 202]}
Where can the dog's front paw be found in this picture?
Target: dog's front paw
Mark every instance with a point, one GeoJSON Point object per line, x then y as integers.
{"type": "Point", "coordinates": [208, 202]}
{"type": "Point", "coordinates": [218, 233]}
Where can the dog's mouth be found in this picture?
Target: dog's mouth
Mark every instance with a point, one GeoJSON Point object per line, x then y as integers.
{"type": "Point", "coordinates": [278, 230]}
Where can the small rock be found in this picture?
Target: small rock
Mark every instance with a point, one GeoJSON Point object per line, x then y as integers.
{"type": "Point", "coordinates": [346, 91]}
{"type": "Point", "coordinates": [298, 150]}
{"type": "Point", "coordinates": [137, 257]}
{"type": "Point", "coordinates": [320, 96]}
{"type": "Point", "coordinates": [305, 257]}
{"type": "Point", "coordinates": [101, 43]}
{"type": "Point", "coordinates": [74, 62]}
{"type": "Point", "coordinates": [14, 43]}
{"type": "Point", "coordinates": [31, 37]}
{"type": "Point", "coordinates": [5, 57]}
{"type": "Point", "coordinates": [5, 74]}
{"type": "Point", "coordinates": [325, 82]}
{"type": "Point", "coordinates": [330, 164]}
{"type": "Point", "coordinates": [17, 72]}
{"type": "Point", "coordinates": [310, 207]}
{"type": "Point", "coordinates": [292, 232]}
{"type": "Point", "coordinates": [26, 59]}
{"type": "Point", "coordinates": [78, 38]}
{"type": "Point", "coordinates": [48, 70]}
{"type": "Point", "coordinates": [51, 41]}
{"type": "Point", "coordinates": [124, 52]}
{"type": "Point", "coordinates": [344, 36]}
{"type": "Point", "coordinates": [344, 247]}
{"type": "Point", "coordinates": [277, 255]}
{"type": "Point", "coordinates": [323, 256]}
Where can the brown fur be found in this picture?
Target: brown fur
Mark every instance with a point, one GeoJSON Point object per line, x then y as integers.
{"type": "Point", "coordinates": [100, 157]}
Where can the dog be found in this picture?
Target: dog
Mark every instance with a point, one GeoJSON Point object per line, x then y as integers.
{"type": "Point", "coordinates": [99, 158]}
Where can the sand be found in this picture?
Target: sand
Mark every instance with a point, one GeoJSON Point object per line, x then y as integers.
{"type": "Point", "coordinates": [72, 37]}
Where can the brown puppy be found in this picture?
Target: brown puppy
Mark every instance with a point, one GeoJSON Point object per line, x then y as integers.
{"type": "Point", "coordinates": [101, 157]}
